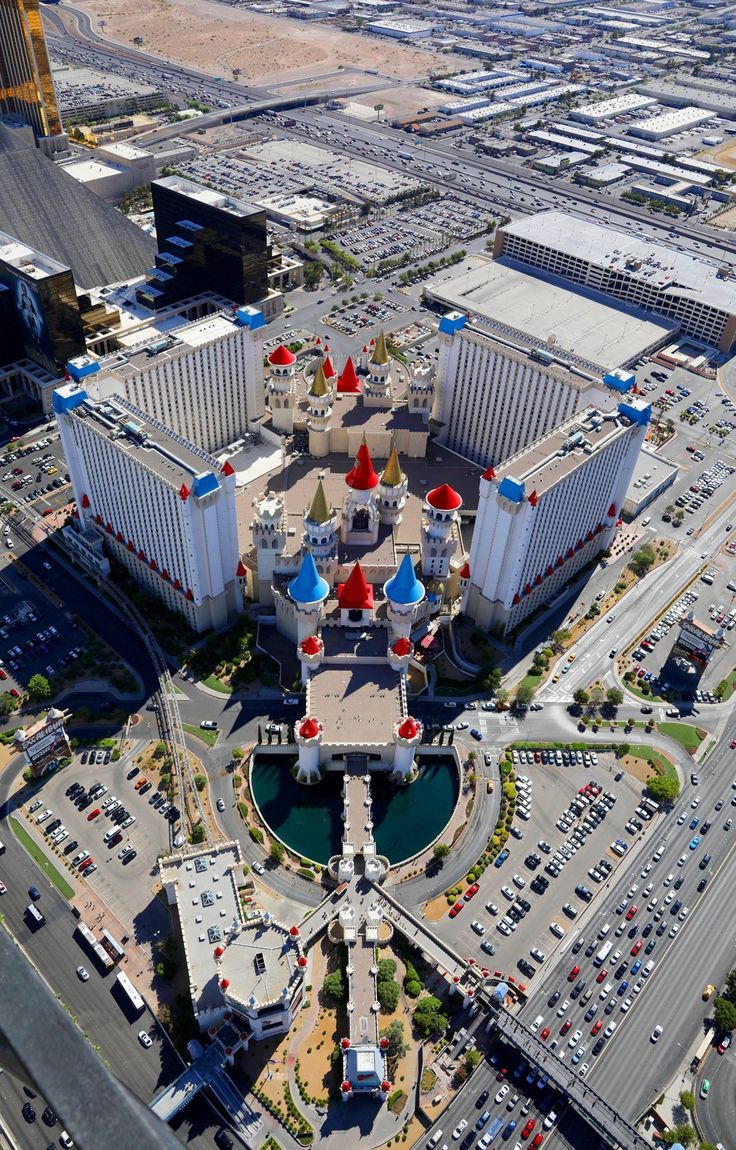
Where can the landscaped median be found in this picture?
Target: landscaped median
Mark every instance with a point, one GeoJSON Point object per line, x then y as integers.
{"type": "Point", "coordinates": [37, 854]}
{"type": "Point", "coordinates": [208, 737]}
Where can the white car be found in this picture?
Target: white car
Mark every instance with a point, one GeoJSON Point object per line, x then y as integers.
{"type": "Point", "coordinates": [44, 815]}
{"type": "Point", "coordinates": [145, 1039]}
{"type": "Point", "coordinates": [507, 892]}
{"type": "Point", "coordinates": [502, 1093]}
{"type": "Point", "coordinates": [583, 1070]}
{"type": "Point", "coordinates": [656, 1034]}
{"type": "Point", "coordinates": [477, 927]}
{"type": "Point", "coordinates": [82, 974]}
{"type": "Point", "coordinates": [574, 1038]}
{"type": "Point", "coordinates": [256, 866]}
{"type": "Point", "coordinates": [518, 881]}
{"type": "Point", "coordinates": [459, 1128]}
{"type": "Point", "coordinates": [221, 804]}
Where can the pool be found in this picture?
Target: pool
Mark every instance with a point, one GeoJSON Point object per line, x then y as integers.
{"type": "Point", "coordinates": [309, 819]}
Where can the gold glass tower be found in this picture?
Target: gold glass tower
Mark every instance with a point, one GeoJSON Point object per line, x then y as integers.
{"type": "Point", "coordinates": [26, 84]}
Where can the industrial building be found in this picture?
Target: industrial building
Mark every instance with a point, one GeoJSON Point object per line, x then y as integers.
{"type": "Point", "coordinates": [164, 508]}
{"type": "Point", "coordinates": [548, 512]}
{"type": "Point", "coordinates": [113, 170]}
{"type": "Point", "coordinates": [700, 298]}
{"type": "Point", "coordinates": [669, 123]}
{"type": "Point", "coordinates": [609, 109]}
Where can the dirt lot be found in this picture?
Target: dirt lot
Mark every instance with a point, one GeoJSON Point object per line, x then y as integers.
{"type": "Point", "coordinates": [724, 155]}
{"type": "Point", "coordinates": [725, 219]}
{"type": "Point", "coordinates": [217, 38]}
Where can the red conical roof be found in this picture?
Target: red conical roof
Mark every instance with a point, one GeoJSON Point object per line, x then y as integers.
{"type": "Point", "coordinates": [282, 357]}
{"type": "Point", "coordinates": [444, 498]}
{"type": "Point", "coordinates": [85, 500]}
{"type": "Point", "coordinates": [489, 474]}
{"type": "Point", "coordinates": [465, 571]}
{"type": "Point", "coordinates": [327, 367]}
{"type": "Point", "coordinates": [408, 729]}
{"type": "Point", "coordinates": [362, 476]}
{"type": "Point", "coordinates": [355, 593]}
{"type": "Point", "coordinates": [401, 647]}
{"type": "Point", "coordinates": [309, 729]}
{"type": "Point", "coordinates": [241, 571]}
{"type": "Point", "coordinates": [228, 469]}
{"type": "Point", "coordinates": [184, 492]}
{"type": "Point", "coordinates": [310, 646]}
{"type": "Point", "coordinates": [348, 383]}
{"type": "Point", "coordinates": [534, 498]}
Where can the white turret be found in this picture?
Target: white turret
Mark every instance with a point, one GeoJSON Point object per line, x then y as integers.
{"type": "Point", "coordinates": [392, 491]}
{"type": "Point", "coordinates": [268, 530]}
{"type": "Point", "coordinates": [321, 534]}
{"type": "Point", "coordinates": [377, 387]}
{"type": "Point", "coordinates": [280, 389]}
{"type": "Point", "coordinates": [439, 531]}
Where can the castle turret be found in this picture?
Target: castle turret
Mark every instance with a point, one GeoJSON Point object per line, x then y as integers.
{"type": "Point", "coordinates": [310, 652]}
{"type": "Point", "coordinates": [377, 387]}
{"type": "Point", "coordinates": [404, 595]}
{"type": "Point", "coordinates": [309, 740]}
{"type": "Point", "coordinates": [439, 530]}
{"type": "Point", "coordinates": [400, 654]}
{"type": "Point", "coordinates": [268, 530]}
{"type": "Point", "coordinates": [407, 737]}
{"type": "Point", "coordinates": [321, 534]}
{"type": "Point", "coordinates": [355, 598]}
{"type": "Point", "coordinates": [360, 514]}
{"type": "Point", "coordinates": [348, 383]}
{"type": "Point", "coordinates": [280, 389]}
{"type": "Point", "coordinates": [320, 398]}
{"type": "Point", "coordinates": [392, 491]}
{"type": "Point", "coordinates": [420, 393]}
{"type": "Point", "coordinates": [308, 593]}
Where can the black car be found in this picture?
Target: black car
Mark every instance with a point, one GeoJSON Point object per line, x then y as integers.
{"type": "Point", "coordinates": [679, 881]}
{"type": "Point", "coordinates": [705, 828]}
{"type": "Point", "coordinates": [704, 862]}
{"type": "Point", "coordinates": [34, 893]}
{"type": "Point", "coordinates": [578, 989]}
{"type": "Point", "coordinates": [634, 930]}
{"type": "Point", "coordinates": [554, 999]}
{"type": "Point", "coordinates": [49, 1117]}
{"type": "Point", "coordinates": [513, 912]}
{"type": "Point", "coordinates": [524, 904]}
{"type": "Point", "coordinates": [578, 945]}
{"type": "Point", "coordinates": [621, 970]}
{"type": "Point", "coordinates": [223, 1140]}
{"type": "Point", "coordinates": [133, 772]}
{"type": "Point", "coordinates": [129, 857]}
{"type": "Point", "coordinates": [28, 1112]}
{"type": "Point", "coordinates": [583, 892]}
{"type": "Point", "coordinates": [481, 1100]}
{"type": "Point", "coordinates": [144, 788]}
{"type": "Point", "coordinates": [72, 846]}
{"type": "Point", "coordinates": [661, 929]}
{"type": "Point", "coordinates": [72, 790]}
{"type": "Point", "coordinates": [702, 885]}
{"type": "Point", "coordinates": [599, 1045]}
{"type": "Point", "coordinates": [676, 906]}
{"type": "Point", "coordinates": [526, 968]}
{"type": "Point", "coordinates": [532, 861]}
{"type": "Point", "coordinates": [84, 756]}
{"type": "Point", "coordinates": [647, 930]}
{"type": "Point", "coordinates": [611, 1006]}
{"type": "Point", "coordinates": [590, 948]}
{"type": "Point", "coordinates": [538, 885]}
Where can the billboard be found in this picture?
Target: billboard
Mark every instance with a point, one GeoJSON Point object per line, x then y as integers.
{"type": "Point", "coordinates": [46, 316]}
{"type": "Point", "coordinates": [44, 741]}
{"type": "Point", "coordinates": [696, 642]}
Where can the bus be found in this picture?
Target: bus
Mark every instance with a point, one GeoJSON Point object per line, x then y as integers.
{"type": "Point", "coordinates": [98, 951]}
{"type": "Point", "coordinates": [603, 954]}
{"type": "Point", "coordinates": [132, 997]}
{"type": "Point", "coordinates": [35, 915]}
{"type": "Point", "coordinates": [112, 947]}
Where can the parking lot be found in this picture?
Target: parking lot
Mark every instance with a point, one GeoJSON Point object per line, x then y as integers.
{"type": "Point", "coordinates": [416, 232]}
{"type": "Point", "coordinates": [353, 317]}
{"type": "Point", "coordinates": [126, 815]}
{"type": "Point", "coordinates": [549, 857]}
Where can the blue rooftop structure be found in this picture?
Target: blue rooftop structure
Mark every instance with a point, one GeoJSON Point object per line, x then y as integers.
{"type": "Point", "coordinates": [309, 586]}
{"type": "Point", "coordinates": [511, 489]}
{"type": "Point", "coordinates": [404, 587]}
{"type": "Point", "coordinates": [205, 484]}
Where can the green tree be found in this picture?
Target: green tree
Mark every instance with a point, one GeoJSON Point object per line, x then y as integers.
{"type": "Point", "coordinates": [615, 696]}
{"type": "Point", "coordinates": [39, 687]}
{"type": "Point", "coordinates": [397, 1044]}
{"type": "Point", "coordinates": [730, 988]}
{"type": "Point", "coordinates": [388, 994]}
{"type": "Point", "coordinates": [622, 750]}
{"type": "Point", "coordinates": [687, 1098]}
{"type": "Point", "coordinates": [663, 788]}
{"type": "Point", "coordinates": [724, 1014]}
{"type": "Point", "coordinates": [581, 697]}
{"type": "Point", "coordinates": [559, 638]}
{"type": "Point", "coordinates": [334, 987]}
{"type": "Point", "coordinates": [441, 851]}
{"type": "Point", "coordinates": [313, 273]}
{"type": "Point", "coordinates": [198, 833]}
{"type": "Point", "coordinates": [237, 754]}
{"type": "Point", "coordinates": [492, 680]}
{"type": "Point", "coordinates": [472, 1059]}
{"type": "Point", "coordinates": [429, 1017]}
{"type": "Point", "coordinates": [6, 706]}
{"type": "Point", "coordinates": [684, 1134]}
{"type": "Point", "coordinates": [277, 851]}
{"type": "Point", "coordinates": [200, 782]}
{"type": "Point", "coordinates": [642, 559]}
{"type": "Point", "coordinates": [524, 694]}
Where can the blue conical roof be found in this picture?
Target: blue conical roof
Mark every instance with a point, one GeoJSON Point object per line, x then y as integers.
{"type": "Point", "coordinates": [404, 587]}
{"type": "Point", "coordinates": [309, 586]}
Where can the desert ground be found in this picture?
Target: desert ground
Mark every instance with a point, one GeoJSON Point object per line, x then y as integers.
{"type": "Point", "coordinates": [267, 49]}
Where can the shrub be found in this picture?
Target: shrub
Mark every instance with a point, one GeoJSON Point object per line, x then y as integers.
{"type": "Point", "coordinates": [256, 834]}
{"type": "Point", "coordinates": [200, 782]}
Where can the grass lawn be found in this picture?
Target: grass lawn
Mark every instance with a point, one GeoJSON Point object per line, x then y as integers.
{"type": "Point", "coordinates": [685, 734]}
{"type": "Point", "coordinates": [217, 685]}
{"type": "Point", "coordinates": [208, 737]}
{"type": "Point", "coordinates": [531, 679]}
{"type": "Point", "coordinates": [34, 850]}
{"type": "Point", "coordinates": [727, 686]}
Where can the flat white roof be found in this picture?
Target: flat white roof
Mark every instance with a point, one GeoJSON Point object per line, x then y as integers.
{"type": "Point", "coordinates": [604, 246]}
{"type": "Point", "coordinates": [603, 109]}
{"type": "Point", "coordinates": [673, 120]}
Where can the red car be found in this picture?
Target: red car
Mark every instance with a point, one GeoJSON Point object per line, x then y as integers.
{"type": "Point", "coordinates": [602, 975]}
{"type": "Point", "coordinates": [3, 675]}
{"type": "Point", "coordinates": [538, 1140]}
{"type": "Point", "coordinates": [545, 1034]}
{"type": "Point", "coordinates": [501, 1074]}
{"type": "Point", "coordinates": [631, 912]}
{"type": "Point", "coordinates": [733, 744]}
{"type": "Point", "coordinates": [724, 1044]}
{"type": "Point", "coordinates": [637, 947]}
{"type": "Point", "coordinates": [471, 891]}
{"type": "Point", "coordinates": [528, 1129]}
{"type": "Point", "coordinates": [596, 1026]}
{"type": "Point", "coordinates": [456, 909]}
{"type": "Point", "coordinates": [87, 863]}
{"type": "Point", "coordinates": [93, 814]}
{"type": "Point", "coordinates": [573, 974]}
{"type": "Point", "coordinates": [565, 1026]}
{"type": "Point", "coordinates": [14, 693]}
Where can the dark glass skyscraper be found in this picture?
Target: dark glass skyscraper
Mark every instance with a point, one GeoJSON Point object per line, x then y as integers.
{"type": "Point", "coordinates": [41, 304]}
{"type": "Point", "coordinates": [206, 242]}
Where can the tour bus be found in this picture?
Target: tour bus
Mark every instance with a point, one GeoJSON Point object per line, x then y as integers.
{"type": "Point", "coordinates": [603, 954]}
{"type": "Point", "coordinates": [35, 915]}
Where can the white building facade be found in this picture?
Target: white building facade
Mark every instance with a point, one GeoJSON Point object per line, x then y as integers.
{"type": "Point", "coordinates": [493, 399]}
{"type": "Point", "coordinates": [165, 509]}
{"type": "Point", "coordinates": [204, 380]}
{"type": "Point", "coordinates": [548, 512]}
